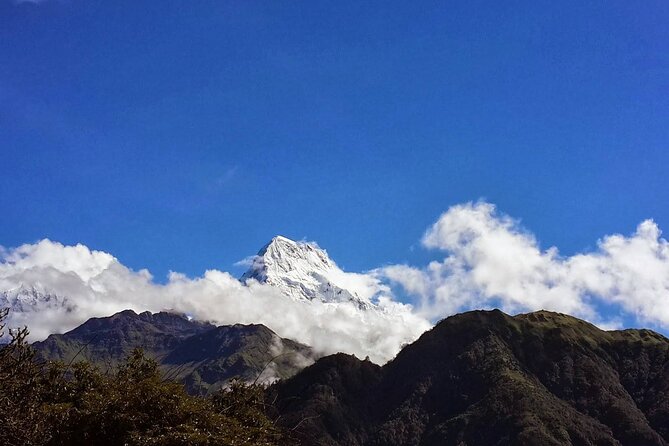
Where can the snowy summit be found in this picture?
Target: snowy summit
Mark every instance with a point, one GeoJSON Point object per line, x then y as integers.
{"type": "Point", "coordinates": [303, 271]}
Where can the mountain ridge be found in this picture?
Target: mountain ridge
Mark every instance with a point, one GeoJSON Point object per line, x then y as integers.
{"type": "Point", "coordinates": [484, 378]}
{"type": "Point", "coordinates": [201, 355]}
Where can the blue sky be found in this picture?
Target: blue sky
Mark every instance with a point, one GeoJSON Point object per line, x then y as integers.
{"type": "Point", "coordinates": [184, 135]}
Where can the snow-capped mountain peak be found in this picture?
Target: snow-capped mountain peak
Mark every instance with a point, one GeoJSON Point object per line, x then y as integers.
{"type": "Point", "coordinates": [303, 271]}
{"type": "Point", "coordinates": [31, 298]}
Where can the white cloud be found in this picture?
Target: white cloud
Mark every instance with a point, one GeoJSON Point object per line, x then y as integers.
{"type": "Point", "coordinates": [489, 261]}
{"type": "Point", "coordinates": [97, 284]}
{"type": "Point", "coordinates": [492, 262]}
{"type": "Point", "coordinates": [67, 259]}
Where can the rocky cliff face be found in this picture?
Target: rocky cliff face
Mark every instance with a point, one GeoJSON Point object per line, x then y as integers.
{"type": "Point", "coordinates": [486, 378]}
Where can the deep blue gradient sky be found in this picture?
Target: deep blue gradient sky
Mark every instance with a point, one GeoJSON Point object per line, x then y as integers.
{"type": "Point", "coordinates": [184, 135]}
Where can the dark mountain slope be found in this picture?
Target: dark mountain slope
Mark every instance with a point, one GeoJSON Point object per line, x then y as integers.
{"type": "Point", "coordinates": [486, 378]}
{"type": "Point", "coordinates": [201, 355]}
{"type": "Point", "coordinates": [248, 352]}
{"type": "Point", "coordinates": [327, 403]}
{"type": "Point", "coordinates": [110, 339]}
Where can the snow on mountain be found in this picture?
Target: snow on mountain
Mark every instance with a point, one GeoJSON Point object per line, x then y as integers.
{"type": "Point", "coordinates": [25, 301]}
{"type": "Point", "coordinates": [304, 272]}
{"type": "Point", "coordinates": [31, 298]}
{"type": "Point", "coordinates": [292, 287]}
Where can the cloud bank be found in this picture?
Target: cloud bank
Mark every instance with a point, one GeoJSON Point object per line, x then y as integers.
{"type": "Point", "coordinates": [491, 261]}
{"type": "Point", "coordinates": [488, 261]}
{"type": "Point", "coordinates": [85, 283]}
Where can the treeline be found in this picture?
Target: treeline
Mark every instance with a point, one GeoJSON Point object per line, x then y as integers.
{"type": "Point", "coordinates": [70, 404]}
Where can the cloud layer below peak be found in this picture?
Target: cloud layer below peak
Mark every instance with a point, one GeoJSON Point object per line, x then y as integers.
{"type": "Point", "coordinates": [488, 261]}
{"type": "Point", "coordinates": [86, 283]}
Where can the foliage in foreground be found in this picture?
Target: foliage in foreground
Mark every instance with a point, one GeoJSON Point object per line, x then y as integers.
{"type": "Point", "coordinates": [59, 404]}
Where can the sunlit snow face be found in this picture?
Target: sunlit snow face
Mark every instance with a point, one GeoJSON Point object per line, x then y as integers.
{"type": "Point", "coordinates": [303, 271]}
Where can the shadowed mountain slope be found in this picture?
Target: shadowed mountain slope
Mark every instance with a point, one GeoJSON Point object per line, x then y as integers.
{"type": "Point", "coordinates": [486, 378]}
{"type": "Point", "coordinates": [111, 339]}
{"type": "Point", "coordinates": [199, 354]}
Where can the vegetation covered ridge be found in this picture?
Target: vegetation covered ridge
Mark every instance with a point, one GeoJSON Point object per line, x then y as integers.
{"type": "Point", "coordinates": [58, 403]}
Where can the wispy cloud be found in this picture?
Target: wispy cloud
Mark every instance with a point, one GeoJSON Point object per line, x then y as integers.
{"type": "Point", "coordinates": [246, 261]}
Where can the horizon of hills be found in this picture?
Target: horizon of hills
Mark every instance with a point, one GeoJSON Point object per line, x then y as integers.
{"type": "Point", "coordinates": [487, 378]}
{"type": "Point", "coordinates": [476, 378]}
{"type": "Point", "coordinates": [202, 356]}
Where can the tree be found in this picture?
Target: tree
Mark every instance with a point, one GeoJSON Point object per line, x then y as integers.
{"type": "Point", "coordinates": [21, 420]}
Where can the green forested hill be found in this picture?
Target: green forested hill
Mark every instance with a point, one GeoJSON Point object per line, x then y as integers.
{"type": "Point", "coordinates": [486, 378]}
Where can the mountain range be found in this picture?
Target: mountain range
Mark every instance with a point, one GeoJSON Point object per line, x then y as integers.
{"type": "Point", "coordinates": [476, 378]}
{"type": "Point", "coordinates": [201, 355]}
{"type": "Point", "coordinates": [300, 271]}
